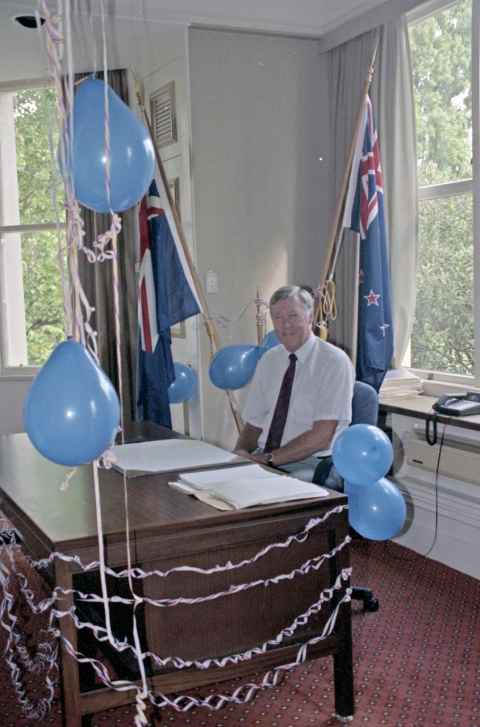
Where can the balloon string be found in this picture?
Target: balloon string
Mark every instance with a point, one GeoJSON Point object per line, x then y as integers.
{"type": "Point", "coordinates": [101, 553]}
{"type": "Point", "coordinates": [141, 696]}
{"type": "Point", "coordinates": [106, 125]}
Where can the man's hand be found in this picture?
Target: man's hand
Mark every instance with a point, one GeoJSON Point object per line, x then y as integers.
{"type": "Point", "coordinates": [247, 440]}
{"type": "Point", "coordinates": [259, 457]}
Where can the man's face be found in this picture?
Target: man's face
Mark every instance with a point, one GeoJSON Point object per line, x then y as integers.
{"type": "Point", "coordinates": [292, 323]}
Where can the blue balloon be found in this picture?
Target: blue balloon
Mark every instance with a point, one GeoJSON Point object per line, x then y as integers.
{"type": "Point", "coordinates": [184, 386]}
{"type": "Point", "coordinates": [71, 412]}
{"type": "Point", "coordinates": [377, 512]}
{"type": "Point", "coordinates": [132, 158]}
{"type": "Point", "coordinates": [233, 366]}
{"type": "Point", "coordinates": [362, 454]}
{"type": "Point", "coordinates": [270, 340]}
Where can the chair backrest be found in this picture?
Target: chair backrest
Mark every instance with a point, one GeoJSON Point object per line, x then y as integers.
{"type": "Point", "coordinates": [364, 404]}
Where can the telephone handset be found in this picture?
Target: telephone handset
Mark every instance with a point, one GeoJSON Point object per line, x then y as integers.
{"type": "Point", "coordinates": [458, 405]}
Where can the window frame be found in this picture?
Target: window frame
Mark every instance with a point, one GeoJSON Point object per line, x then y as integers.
{"type": "Point", "coordinates": [19, 373]}
{"type": "Point", "coordinates": [446, 190]}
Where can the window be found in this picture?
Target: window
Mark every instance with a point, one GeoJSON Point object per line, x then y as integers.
{"type": "Point", "coordinates": [441, 47]}
{"type": "Point", "coordinates": [30, 225]}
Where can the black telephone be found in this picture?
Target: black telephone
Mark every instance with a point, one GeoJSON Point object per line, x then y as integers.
{"type": "Point", "coordinates": [455, 405]}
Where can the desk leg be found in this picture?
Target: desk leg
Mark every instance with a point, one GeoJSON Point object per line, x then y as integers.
{"type": "Point", "coordinates": [69, 676]}
{"type": "Point", "coordinates": [343, 657]}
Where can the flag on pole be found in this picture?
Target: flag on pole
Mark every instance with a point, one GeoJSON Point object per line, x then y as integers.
{"type": "Point", "coordinates": [364, 213]}
{"type": "Point", "coordinates": [166, 296]}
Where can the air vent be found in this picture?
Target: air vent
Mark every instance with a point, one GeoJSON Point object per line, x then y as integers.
{"type": "Point", "coordinates": [28, 21]}
{"type": "Point", "coordinates": [162, 109]}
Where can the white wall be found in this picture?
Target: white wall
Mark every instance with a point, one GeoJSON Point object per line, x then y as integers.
{"type": "Point", "coordinates": [259, 126]}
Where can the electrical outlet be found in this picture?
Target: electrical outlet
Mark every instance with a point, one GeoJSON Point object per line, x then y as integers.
{"type": "Point", "coordinates": [212, 282]}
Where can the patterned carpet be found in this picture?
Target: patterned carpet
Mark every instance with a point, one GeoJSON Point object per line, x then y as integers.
{"type": "Point", "coordinates": [417, 660]}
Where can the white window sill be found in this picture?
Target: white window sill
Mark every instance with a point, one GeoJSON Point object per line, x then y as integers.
{"type": "Point", "coordinates": [26, 373]}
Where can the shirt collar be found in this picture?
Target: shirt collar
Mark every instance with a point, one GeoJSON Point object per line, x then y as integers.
{"type": "Point", "coordinates": [302, 352]}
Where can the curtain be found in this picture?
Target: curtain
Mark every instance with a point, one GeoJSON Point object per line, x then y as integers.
{"type": "Point", "coordinates": [393, 102]}
{"type": "Point", "coordinates": [347, 70]}
{"type": "Point", "coordinates": [97, 281]}
{"type": "Point", "coordinates": [399, 159]}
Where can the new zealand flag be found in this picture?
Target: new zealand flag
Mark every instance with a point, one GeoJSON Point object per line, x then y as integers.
{"type": "Point", "coordinates": [166, 296]}
{"type": "Point", "coordinates": [364, 213]}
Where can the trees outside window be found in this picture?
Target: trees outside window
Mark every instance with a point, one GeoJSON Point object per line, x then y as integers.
{"type": "Point", "coordinates": [31, 220]}
{"type": "Point", "coordinates": [443, 333]}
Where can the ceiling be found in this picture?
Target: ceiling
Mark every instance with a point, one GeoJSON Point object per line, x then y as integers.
{"type": "Point", "coordinates": [303, 17]}
{"type": "Point", "coordinates": [22, 56]}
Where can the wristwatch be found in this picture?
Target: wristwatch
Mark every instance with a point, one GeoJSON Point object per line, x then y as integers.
{"type": "Point", "coordinates": [270, 460]}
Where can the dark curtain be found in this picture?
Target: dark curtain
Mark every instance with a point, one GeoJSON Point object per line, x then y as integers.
{"type": "Point", "coordinates": [348, 67]}
{"type": "Point", "coordinates": [97, 281]}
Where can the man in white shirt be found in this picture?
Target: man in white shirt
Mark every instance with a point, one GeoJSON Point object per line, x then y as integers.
{"type": "Point", "coordinates": [292, 424]}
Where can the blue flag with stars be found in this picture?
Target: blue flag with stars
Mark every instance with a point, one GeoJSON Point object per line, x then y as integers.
{"type": "Point", "coordinates": [364, 213]}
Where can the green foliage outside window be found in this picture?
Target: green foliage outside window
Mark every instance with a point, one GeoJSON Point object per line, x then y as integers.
{"type": "Point", "coordinates": [37, 181]}
{"type": "Point", "coordinates": [442, 337]}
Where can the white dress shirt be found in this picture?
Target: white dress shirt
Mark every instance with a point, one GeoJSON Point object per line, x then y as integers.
{"type": "Point", "coordinates": [322, 389]}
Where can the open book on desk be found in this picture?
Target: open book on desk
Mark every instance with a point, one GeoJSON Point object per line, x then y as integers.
{"type": "Point", "coordinates": [246, 486]}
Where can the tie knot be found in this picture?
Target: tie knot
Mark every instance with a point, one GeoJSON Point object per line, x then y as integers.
{"type": "Point", "coordinates": [292, 358]}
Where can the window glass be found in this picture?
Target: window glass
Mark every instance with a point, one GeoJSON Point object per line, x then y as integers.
{"type": "Point", "coordinates": [32, 140]}
{"type": "Point", "coordinates": [34, 297]}
{"type": "Point", "coordinates": [43, 295]}
{"type": "Point", "coordinates": [442, 337]}
{"type": "Point", "coordinates": [31, 193]}
{"type": "Point", "coordinates": [441, 60]}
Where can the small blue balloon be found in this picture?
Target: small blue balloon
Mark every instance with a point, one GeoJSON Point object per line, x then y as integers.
{"type": "Point", "coordinates": [71, 412]}
{"type": "Point", "coordinates": [377, 512]}
{"type": "Point", "coordinates": [270, 340]}
{"type": "Point", "coordinates": [184, 386]}
{"type": "Point", "coordinates": [233, 366]}
{"type": "Point", "coordinates": [362, 454]}
{"type": "Point", "coordinates": [132, 158]}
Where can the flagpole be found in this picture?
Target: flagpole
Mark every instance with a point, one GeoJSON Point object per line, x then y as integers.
{"type": "Point", "coordinates": [336, 234]}
{"type": "Point", "coordinates": [209, 326]}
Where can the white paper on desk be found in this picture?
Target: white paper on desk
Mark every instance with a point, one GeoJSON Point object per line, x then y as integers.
{"type": "Point", "coordinates": [166, 455]}
{"type": "Point", "coordinates": [209, 479]}
{"type": "Point", "coordinates": [245, 486]}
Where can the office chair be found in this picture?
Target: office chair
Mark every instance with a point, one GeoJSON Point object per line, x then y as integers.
{"type": "Point", "coordinates": [364, 411]}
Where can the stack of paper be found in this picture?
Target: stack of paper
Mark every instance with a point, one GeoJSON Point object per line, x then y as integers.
{"type": "Point", "coordinates": [238, 487]}
{"type": "Point", "coordinates": [167, 455]}
{"type": "Point", "coordinates": [400, 383]}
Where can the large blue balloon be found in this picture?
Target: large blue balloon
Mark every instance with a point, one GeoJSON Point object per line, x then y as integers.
{"type": "Point", "coordinates": [362, 454]}
{"type": "Point", "coordinates": [233, 366]}
{"type": "Point", "coordinates": [270, 340]}
{"type": "Point", "coordinates": [184, 387]}
{"type": "Point", "coordinates": [71, 412]}
{"type": "Point", "coordinates": [378, 511]}
{"type": "Point", "coordinates": [132, 159]}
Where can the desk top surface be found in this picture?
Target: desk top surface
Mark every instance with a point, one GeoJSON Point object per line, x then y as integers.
{"type": "Point", "coordinates": [420, 406]}
{"type": "Point", "coordinates": [30, 494]}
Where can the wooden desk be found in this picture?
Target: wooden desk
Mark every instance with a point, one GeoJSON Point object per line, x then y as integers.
{"type": "Point", "coordinates": [169, 529]}
{"type": "Point", "coordinates": [420, 407]}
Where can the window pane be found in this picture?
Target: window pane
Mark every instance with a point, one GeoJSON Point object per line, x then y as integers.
{"type": "Point", "coordinates": [43, 295]}
{"type": "Point", "coordinates": [33, 292]}
{"type": "Point", "coordinates": [29, 139]}
{"type": "Point", "coordinates": [442, 337]}
{"type": "Point", "coordinates": [441, 59]}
